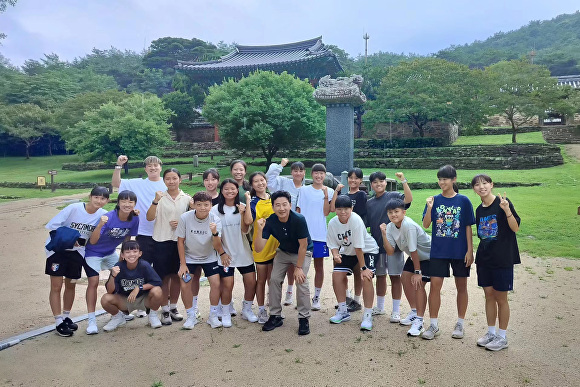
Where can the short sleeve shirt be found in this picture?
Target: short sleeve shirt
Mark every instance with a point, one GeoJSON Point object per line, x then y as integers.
{"type": "Point", "coordinates": [127, 280]}
{"type": "Point", "coordinates": [377, 214]}
{"type": "Point", "coordinates": [169, 209]}
{"type": "Point", "coordinates": [235, 243]}
{"type": "Point", "coordinates": [198, 237]}
{"type": "Point", "coordinates": [288, 233]}
{"type": "Point", "coordinates": [113, 233]}
{"type": "Point", "coordinates": [350, 235]}
{"type": "Point", "coordinates": [145, 190]}
{"type": "Point", "coordinates": [311, 204]}
{"type": "Point", "coordinates": [409, 238]}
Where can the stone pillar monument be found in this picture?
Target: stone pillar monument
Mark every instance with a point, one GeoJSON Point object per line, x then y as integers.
{"type": "Point", "coordinates": [340, 96]}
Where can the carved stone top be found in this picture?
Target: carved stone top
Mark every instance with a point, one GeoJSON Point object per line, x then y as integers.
{"type": "Point", "coordinates": [340, 90]}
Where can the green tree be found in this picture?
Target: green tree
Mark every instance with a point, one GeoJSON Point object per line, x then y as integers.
{"type": "Point", "coordinates": [121, 65]}
{"type": "Point", "coordinates": [25, 122]}
{"type": "Point", "coordinates": [265, 111]}
{"type": "Point", "coordinates": [163, 53]}
{"type": "Point", "coordinates": [429, 89]}
{"type": "Point", "coordinates": [183, 106]}
{"type": "Point", "coordinates": [136, 126]}
{"type": "Point", "coordinates": [521, 91]}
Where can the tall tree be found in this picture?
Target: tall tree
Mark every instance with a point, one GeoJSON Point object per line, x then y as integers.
{"type": "Point", "coordinates": [183, 106]}
{"type": "Point", "coordinates": [265, 111]}
{"type": "Point", "coordinates": [521, 91]}
{"type": "Point", "coordinates": [136, 126]}
{"type": "Point", "coordinates": [26, 122]}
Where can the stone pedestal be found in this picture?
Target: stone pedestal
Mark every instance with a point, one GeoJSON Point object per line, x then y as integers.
{"type": "Point", "coordinates": [339, 137]}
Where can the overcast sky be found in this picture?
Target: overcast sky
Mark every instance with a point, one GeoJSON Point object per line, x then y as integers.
{"type": "Point", "coordinates": [72, 28]}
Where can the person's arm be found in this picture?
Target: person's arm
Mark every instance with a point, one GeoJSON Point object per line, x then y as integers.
{"type": "Point", "coordinates": [116, 181]}
{"type": "Point", "coordinates": [469, 254]}
{"type": "Point", "coordinates": [273, 175]}
{"type": "Point", "coordinates": [152, 211]}
{"type": "Point", "coordinates": [242, 210]}
{"type": "Point", "coordinates": [335, 194]}
{"type": "Point", "coordinates": [390, 249]}
{"type": "Point", "coordinates": [406, 188]}
{"type": "Point", "coordinates": [96, 234]}
{"type": "Point", "coordinates": [110, 284]}
{"type": "Point", "coordinates": [259, 241]}
{"type": "Point", "coordinates": [336, 255]}
{"type": "Point", "coordinates": [326, 207]}
{"type": "Point", "coordinates": [181, 252]}
{"type": "Point", "coordinates": [299, 276]}
{"type": "Point", "coordinates": [248, 216]}
{"type": "Point", "coordinates": [427, 217]}
{"type": "Point", "coordinates": [416, 279]}
{"type": "Point", "coordinates": [216, 241]}
{"type": "Point", "coordinates": [509, 210]}
{"type": "Point", "coordinates": [365, 274]}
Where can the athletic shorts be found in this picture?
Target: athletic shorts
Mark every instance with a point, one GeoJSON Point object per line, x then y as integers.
{"type": "Point", "coordinates": [147, 246]}
{"type": "Point", "coordinates": [166, 259]}
{"type": "Point", "coordinates": [391, 264]}
{"type": "Point", "coordinates": [268, 262]}
{"type": "Point", "coordinates": [93, 265]}
{"type": "Point", "coordinates": [349, 262]}
{"type": "Point", "coordinates": [138, 304]}
{"type": "Point", "coordinates": [502, 280]}
{"type": "Point", "coordinates": [243, 270]}
{"type": "Point", "coordinates": [410, 267]}
{"type": "Point", "coordinates": [209, 269]}
{"type": "Point", "coordinates": [66, 264]}
{"type": "Point", "coordinates": [319, 250]}
{"type": "Point", "coordinates": [439, 267]}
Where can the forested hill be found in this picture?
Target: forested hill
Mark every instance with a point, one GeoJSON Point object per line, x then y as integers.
{"type": "Point", "coordinates": [556, 44]}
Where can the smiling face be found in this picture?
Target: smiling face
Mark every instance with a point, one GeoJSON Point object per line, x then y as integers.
{"type": "Point", "coordinates": [131, 255]}
{"type": "Point", "coordinates": [153, 171]}
{"type": "Point", "coordinates": [230, 191]}
{"type": "Point", "coordinates": [98, 202]}
{"type": "Point", "coordinates": [318, 177]}
{"type": "Point", "coordinates": [238, 172]}
{"type": "Point", "coordinates": [354, 182]}
{"type": "Point", "coordinates": [343, 214]}
{"type": "Point", "coordinates": [282, 208]}
{"type": "Point", "coordinates": [210, 183]}
{"type": "Point", "coordinates": [396, 216]}
{"type": "Point", "coordinates": [202, 209]}
{"type": "Point", "coordinates": [483, 188]}
{"type": "Point", "coordinates": [379, 186]}
{"type": "Point", "coordinates": [126, 205]}
{"type": "Point", "coordinates": [171, 180]}
{"type": "Point", "coordinates": [259, 184]}
{"type": "Point", "coordinates": [446, 184]}
{"type": "Point", "coordinates": [298, 175]}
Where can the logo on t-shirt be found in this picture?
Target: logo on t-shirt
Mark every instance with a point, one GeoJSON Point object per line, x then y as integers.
{"type": "Point", "coordinates": [487, 227]}
{"type": "Point", "coordinates": [130, 284]}
{"type": "Point", "coordinates": [118, 232]}
{"type": "Point", "coordinates": [447, 221]}
{"type": "Point", "coordinates": [344, 238]}
{"type": "Point", "coordinates": [199, 232]}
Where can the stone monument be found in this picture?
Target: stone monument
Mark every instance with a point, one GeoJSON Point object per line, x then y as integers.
{"type": "Point", "coordinates": [340, 96]}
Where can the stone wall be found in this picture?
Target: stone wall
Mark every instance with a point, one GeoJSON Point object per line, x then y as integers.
{"type": "Point", "coordinates": [197, 134]}
{"type": "Point", "coordinates": [562, 135]}
{"type": "Point", "coordinates": [434, 129]}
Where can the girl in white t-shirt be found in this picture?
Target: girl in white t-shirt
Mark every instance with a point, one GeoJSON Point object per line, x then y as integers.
{"type": "Point", "coordinates": [237, 249]}
{"type": "Point", "coordinates": [211, 181]}
{"type": "Point", "coordinates": [166, 209]}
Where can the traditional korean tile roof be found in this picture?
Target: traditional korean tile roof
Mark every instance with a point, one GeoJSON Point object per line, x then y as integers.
{"type": "Point", "coordinates": [571, 80]}
{"type": "Point", "coordinates": [305, 59]}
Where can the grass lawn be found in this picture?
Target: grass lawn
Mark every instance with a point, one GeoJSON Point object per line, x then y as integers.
{"type": "Point", "coordinates": [501, 139]}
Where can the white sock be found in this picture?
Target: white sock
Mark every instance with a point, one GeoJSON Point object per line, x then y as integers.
{"type": "Point", "coordinates": [501, 332]}
{"type": "Point", "coordinates": [342, 307]}
{"type": "Point", "coordinates": [435, 322]}
{"type": "Point", "coordinates": [381, 302]}
{"type": "Point", "coordinates": [172, 306]}
{"type": "Point", "coordinates": [460, 321]}
{"type": "Point", "coordinates": [195, 302]}
{"type": "Point", "coordinates": [414, 311]}
{"type": "Point", "coordinates": [213, 310]}
{"type": "Point", "coordinates": [58, 319]}
{"type": "Point", "coordinates": [190, 311]}
{"type": "Point", "coordinates": [92, 316]}
{"type": "Point", "coordinates": [65, 314]}
{"type": "Point", "coordinates": [491, 330]}
{"type": "Point", "coordinates": [290, 288]}
{"type": "Point", "coordinates": [356, 298]}
{"type": "Point", "coordinates": [396, 305]}
{"type": "Point", "coordinates": [261, 308]}
{"type": "Point", "coordinates": [247, 305]}
{"type": "Point", "coordinates": [420, 319]}
{"type": "Point", "coordinates": [369, 311]}
{"type": "Point", "coordinates": [165, 308]}
{"type": "Point", "coordinates": [317, 292]}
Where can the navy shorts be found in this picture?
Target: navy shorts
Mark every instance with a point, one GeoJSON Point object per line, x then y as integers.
{"type": "Point", "coordinates": [439, 267]}
{"type": "Point", "coordinates": [166, 259]}
{"type": "Point", "coordinates": [67, 264]}
{"type": "Point", "coordinates": [349, 262]}
{"type": "Point", "coordinates": [147, 246]}
{"type": "Point", "coordinates": [268, 262]}
{"type": "Point", "coordinates": [209, 269]}
{"type": "Point", "coordinates": [410, 267]}
{"type": "Point", "coordinates": [243, 270]}
{"type": "Point", "coordinates": [502, 280]}
{"type": "Point", "coordinates": [319, 250]}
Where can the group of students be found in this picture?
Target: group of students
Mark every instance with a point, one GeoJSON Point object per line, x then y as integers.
{"type": "Point", "coordinates": [270, 227]}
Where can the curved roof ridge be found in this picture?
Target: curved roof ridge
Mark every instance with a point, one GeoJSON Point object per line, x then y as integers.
{"type": "Point", "coordinates": [302, 45]}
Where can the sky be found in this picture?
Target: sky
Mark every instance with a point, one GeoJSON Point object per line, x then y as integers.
{"type": "Point", "coordinates": [72, 28]}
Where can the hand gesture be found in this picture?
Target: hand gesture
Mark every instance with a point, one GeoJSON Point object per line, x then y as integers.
{"type": "Point", "coordinates": [468, 258]}
{"type": "Point", "coordinates": [226, 260]}
{"type": "Point", "coordinates": [248, 196]}
{"type": "Point", "coordinates": [299, 276]}
{"type": "Point", "coordinates": [158, 196]}
{"type": "Point", "coordinates": [182, 270]}
{"type": "Point", "coordinates": [241, 208]}
{"type": "Point", "coordinates": [337, 258]}
{"type": "Point", "coordinates": [417, 281]}
{"type": "Point", "coordinates": [115, 270]}
{"type": "Point", "coordinates": [136, 212]}
{"type": "Point", "coordinates": [261, 223]}
{"type": "Point", "coordinates": [383, 228]}
{"type": "Point", "coordinates": [122, 159]}
{"type": "Point", "coordinates": [339, 188]}
{"type": "Point", "coordinates": [400, 176]}
{"type": "Point", "coordinates": [173, 224]}
{"type": "Point", "coordinates": [191, 204]}
{"type": "Point", "coordinates": [325, 191]}
{"type": "Point", "coordinates": [104, 219]}
{"type": "Point", "coordinates": [430, 200]}
{"type": "Point", "coordinates": [131, 297]}
{"type": "Point", "coordinates": [503, 203]}
{"type": "Point", "coordinates": [366, 275]}
{"type": "Point", "coordinates": [213, 228]}
{"type": "Point", "coordinates": [284, 162]}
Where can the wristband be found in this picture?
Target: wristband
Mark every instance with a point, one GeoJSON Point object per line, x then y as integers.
{"type": "Point", "coordinates": [118, 167]}
{"type": "Point", "coordinates": [404, 181]}
{"type": "Point", "coordinates": [140, 287]}
{"type": "Point", "coordinates": [363, 268]}
{"type": "Point", "coordinates": [509, 215]}
{"type": "Point", "coordinates": [222, 253]}
{"type": "Point", "coordinates": [418, 272]}
{"type": "Point", "coordinates": [216, 234]}
{"type": "Point", "coordinates": [154, 203]}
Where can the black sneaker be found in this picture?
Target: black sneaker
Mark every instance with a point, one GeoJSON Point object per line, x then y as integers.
{"type": "Point", "coordinates": [348, 301]}
{"type": "Point", "coordinates": [273, 323]}
{"type": "Point", "coordinates": [353, 306]}
{"type": "Point", "coordinates": [64, 330]}
{"type": "Point", "coordinates": [69, 323]}
{"type": "Point", "coordinates": [303, 326]}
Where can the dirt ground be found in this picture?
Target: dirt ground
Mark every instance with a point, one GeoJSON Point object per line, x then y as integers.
{"type": "Point", "coordinates": [544, 348]}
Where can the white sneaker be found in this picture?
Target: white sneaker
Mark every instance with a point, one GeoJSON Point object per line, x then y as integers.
{"type": "Point", "coordinates": [115, 322]}
{"type": "Point", "coordinates": [416, 328]}
{"type": "Point", "coordinates": [197, 314]}
{"type": "Point", "coordinates": [395, 317]}
{"type": "Point", "coordinates": [431, 333]}
{"type": "Point", "coordinates": [213, 321]}
{"type": "Point", "coordinates": [154, 320]}
{"type": "Point", "coordinates": [315, 303]}
{"type": "Point", "coordinates": [190, 322]}
{"type": "Point", "coordinates": [226, 320]}
{"type": "Point", "coordinates": [408, 320]}
{"type": "Point", "coordinates": [165, 318]}
{"type": "Point", "coordinates": [92, 328]}
{"type": "Point", "coordinates": [483, 341]}
{"type": "Point", "coordinates": [129, 317]}
{"type": "Point", "coordinates": [458, 332]}
{"type": "Point", "coordinates": [220, 312]}
{"type": "Point", "coordinates": [262, 316]}
{"type": "Point", "coordinates": [141, 313]}
{"type": "Point", "coordinates": [248, 314]}
{"type": "Point", "coordinates": [232, 309]}
{"type": "Point", "coordinates": [175, 315]}
{"type": "Point", "coordinates": [497, 344]}
{"type": "Point", "coordinates": [367, 322]}
{"type": "Point", "coordinates": [288, 298]}
{"type": "Point", "coordinates": [378, 312]}
{"type": "Point", "coordinates": [340, 317]}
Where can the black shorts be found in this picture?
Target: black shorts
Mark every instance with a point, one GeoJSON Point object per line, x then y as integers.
{"type": "Point", "coordinates": [166, 259]}
{"type": "Point", "coordinates": [268, 262]}
{"type": "Point", "coordinates": [502, 280]}
{"type": "Point", "coordinates": [243, 270]}
{"type": "Point", "coordinates": [209, 269]}
{"type": "Point", "coordinates": [350, 261]}
{"type": "Point", "coordinates": [439, 267]}
{"type": "Point", "coordinates": [67, 264]}
{"type": "Point", "coordinates": [410, 267]}
{"type": "Point", "coordinates": [147, 246]}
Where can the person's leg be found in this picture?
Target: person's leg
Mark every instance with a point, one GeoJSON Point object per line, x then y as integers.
{"type": "Point", "coordinates": [54, 297]}
{"type": "Point", "coordinates": [91, 297]}
{"type": "Point", "coordinates": [110, 302]}
{"type": "Point", "coordinates": [214, 289]}
{"type": "Point", "coordinates": [249, 286]}
{"type": "Point", "coordinates": [187, 290]}
{"type": "Point", "coordinates": [435, 297]}
{"type": "Point", "coordinates": [155, 298]}
{"type": "Point", "coordinates": [409, 289]}
{"type": "Point", "coordinates": [69, 294]}
{"type": "Point", "coordinates": [318, 273]}
{"type": "Point", "coordinates": [396, 293]}
{"type": "Point", "coordinates": [227, 286]}
{"type": "Point", "coordinates": [339, 282]}
{"type": "Point", "coordinates": [358, 285]}
{"type": "Point", "coordinates": [262, 277]}
{"type": "Point", "coordinates": [367, 291]}
{"type": "Point", "coordinates": [303, 289]}
{"type": "Point", "coordinates": [462, 297]}
{"type": "Point", "coordinates": [503, 309]}
{"type": "Point", "coordinates": [381, 285]}
{"type": "Point", "coordinates": [114, 304]}
{"type": "Point", "coordinates": [277, 273]}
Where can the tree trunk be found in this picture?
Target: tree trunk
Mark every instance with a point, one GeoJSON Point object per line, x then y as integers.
{"type": "Point", "coordinates": [27, 151]}
{"type": "Point", "coordinates": [269, 154]}
{"type": "Point", "coordinates": [513, 132]}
